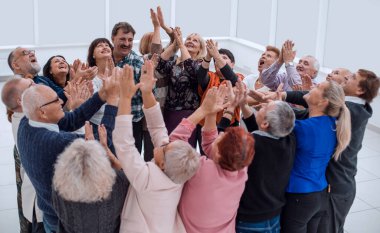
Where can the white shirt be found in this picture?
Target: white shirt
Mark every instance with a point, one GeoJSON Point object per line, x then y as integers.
{"type": "Point", "coordinates": [354, 99]}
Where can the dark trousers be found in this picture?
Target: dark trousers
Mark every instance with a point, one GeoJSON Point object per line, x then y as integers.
{"type": "Point", "coordinates": [338, 206]}
{"type": "Point", "coordinates": [303, 212]}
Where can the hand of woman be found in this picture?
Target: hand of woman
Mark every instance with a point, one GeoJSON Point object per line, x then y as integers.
{"type": "Point", "coordinates": [127, 84]}
{"type": "Point", "coordinates": [88, 133]}
{"type": "Point", "coordinates": [147, 80]}
{"type": "Point", "coordinates": [115, 163]}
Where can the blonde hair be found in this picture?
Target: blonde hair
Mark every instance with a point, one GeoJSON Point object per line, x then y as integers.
{"type": "Point", "coordinates": [337, 108]}
{"type": "Point", "coordinates": [83, 172]}
{"type": "Point", "coordinates": [202, 43]}
{"type": "Point", "coordinates": [145, 43]}
{"type": "Point", "coordinates": [181, 162]}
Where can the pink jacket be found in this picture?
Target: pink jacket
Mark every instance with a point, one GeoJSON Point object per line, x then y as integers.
{"type": "Point", "coordinates": [210, 199]}
{"type": "Point", "coordinates": [152, 199]}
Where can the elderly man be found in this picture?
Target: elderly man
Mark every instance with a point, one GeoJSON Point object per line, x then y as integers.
{"type": "Point", "coordinates": [30, 215]}
{"type": "Point", "coordinates": [303, 75]}
{"type": "Point", "coordinates": [41, 140]}
{"type": "Point", "coordinates": [23, 62]}
{"type": "Point", "coordinates": [360, 89]}
{"type": "Point", "coordinates": [122, 39]}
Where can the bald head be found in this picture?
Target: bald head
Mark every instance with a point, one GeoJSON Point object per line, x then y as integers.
{"type": "Point", "coordinates": [339, 75]}
{"type": "Point", "coordinates": [12, 91]}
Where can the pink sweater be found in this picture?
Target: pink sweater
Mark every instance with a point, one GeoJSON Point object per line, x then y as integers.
{"type": "Point", "coordinates": [210, 199]}
{"type": "Point", "coordinates": [152, 199]}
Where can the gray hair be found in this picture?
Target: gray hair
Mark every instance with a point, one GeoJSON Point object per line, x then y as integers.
{"type": "Point", "coordinates": [181, 162]}
{"type": "Point", "coordinates": [32, 99]}
{"type": "Point", "coordinates": [281, 119]}
{"type": "Point", "coordinates": [83, 172]}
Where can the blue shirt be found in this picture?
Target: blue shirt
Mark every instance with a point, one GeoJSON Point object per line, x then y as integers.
{"type": "Point", "coordinates": [316, 142]}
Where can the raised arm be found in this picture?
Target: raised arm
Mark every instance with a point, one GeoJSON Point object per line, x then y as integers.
{"type": "Point", "coordinates": [156, 46]}
{"type": "Point", "coordinates": [293, 77]}
{"type": "Point", "coordinates": [178, 39]}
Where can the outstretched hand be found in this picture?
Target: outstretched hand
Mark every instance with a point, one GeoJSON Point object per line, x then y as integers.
{"type": "Point", "coordinates": [127, 84]}
{"type": "Point", "coordinates": [147, 80]}
{"type": "Point", "coordinates": [214, 100]}
{"type": "Point", "coordinates": [88, 133]}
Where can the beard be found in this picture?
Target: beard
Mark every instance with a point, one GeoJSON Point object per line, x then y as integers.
{"type": "Point", "coordinates": [34, 68]}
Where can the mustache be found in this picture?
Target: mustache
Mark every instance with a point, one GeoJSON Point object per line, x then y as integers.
{"type": "Point", "coordinates": [125, 47]}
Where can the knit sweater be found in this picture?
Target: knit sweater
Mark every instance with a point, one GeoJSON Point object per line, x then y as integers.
{"type": "Point", "coordinates": [98, 217]}
{"type": "Point", "coordinates": [39, 148]}
{"type": "Point", "coordinates": [211, 197]}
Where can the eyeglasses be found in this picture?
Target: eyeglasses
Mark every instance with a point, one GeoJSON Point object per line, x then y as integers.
{"type": "Point", "coordinates": [55, 100]}
{"type": "Point", "coordinates": [26, 53]}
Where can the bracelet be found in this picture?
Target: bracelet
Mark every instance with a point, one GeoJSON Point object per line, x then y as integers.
{"type": "Point", "coordinates": [204, 59]}
{"type": "Point", "coordinates": [228, 112]}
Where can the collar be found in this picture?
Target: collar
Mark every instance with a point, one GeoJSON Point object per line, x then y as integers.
{"type": "Point", "coordinates": [18, 115]}
{"type": "Point", "coordinates": [265, 134]}
{"type": "Point", "coordinates": [354, 99]}
{"type": "Point", "coordinates": [48, 126]}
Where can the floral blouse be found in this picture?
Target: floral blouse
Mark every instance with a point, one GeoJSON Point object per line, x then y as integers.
{"type": "Point", "coordinates": [183, 84]}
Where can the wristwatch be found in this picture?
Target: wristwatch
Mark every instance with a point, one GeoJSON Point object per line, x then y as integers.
{"type": "Point", "coordinates": [289, 64]}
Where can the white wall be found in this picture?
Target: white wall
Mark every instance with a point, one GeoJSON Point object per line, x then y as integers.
{"type": "Point", "coordinates": [340, 33]}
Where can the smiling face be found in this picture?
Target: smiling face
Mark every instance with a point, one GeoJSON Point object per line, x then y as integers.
{"type": "Point", "coordinates": [305, 66]}
{"type": "Point", "coordinates": [25, 62]}
{"type": "Point", "coordinates": [193, 44]}
{"type": "Point", "coordinates": [59, 67]}
{"type": "Point", "coordinates": [51, 110]}
{"type": "Point", "coordinates": [123, 43]}
{"type": "Point", "coordinates": [102, 50]}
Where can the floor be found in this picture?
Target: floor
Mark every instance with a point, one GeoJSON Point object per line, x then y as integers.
{"type": "Point", "coordinates": [364, 216]}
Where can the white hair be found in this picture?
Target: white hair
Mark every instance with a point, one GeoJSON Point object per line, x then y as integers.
{"type": "Point", "coordinates": [181, 162]}
{"type": "Point", "coordinates": [83, 172]}
{"type": "Point", "coordinates": [315, 64]}
{"type": "Point", "coordinates": [32, 99]}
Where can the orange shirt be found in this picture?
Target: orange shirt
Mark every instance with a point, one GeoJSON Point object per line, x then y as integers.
{"type": "Point", "coordinates": [215, 81]}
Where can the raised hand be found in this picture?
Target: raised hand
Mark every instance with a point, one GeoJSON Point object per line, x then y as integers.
{"type": "Point", "coordinates": [154, 18]}
{"type": "Point", "coordinates": [178, 36]}
{"type": "Point", "coordinates": [212, 48]}
{"type": "Point", "coordinates": [110, 90]}
{"type": "Point", "coordinates": [240, 94]}
{"type": "Point", "coordinates": [147, 80]}
{"type": "Point", "coordinates": [81, 70]}
{"type": "Point", "coordinates": [127, 84]}
{"type": "Point", "coordinates": [214, 100]}
{"type": "Point", "coordinates": [88, 133]}
{"type": "Point", "coordinates": [287, 51]}
{"type": "Point", "coordinates": [77, 93]}
{"type": "Point", "coordinates": [161, 21]}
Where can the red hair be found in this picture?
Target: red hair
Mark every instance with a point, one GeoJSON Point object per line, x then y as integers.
{"type": "Point", "coordinates": [236, 149]}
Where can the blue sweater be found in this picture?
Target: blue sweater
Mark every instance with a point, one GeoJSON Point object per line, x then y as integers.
{"type": "Point", "coordinates": [316, 142]}
{"type": "Point", "coordinates": [39, 148]}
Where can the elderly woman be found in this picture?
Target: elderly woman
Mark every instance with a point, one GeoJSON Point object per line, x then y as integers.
{"type": "Point", "coordinates": [88, 193]}
{"type": "Point", "coordinates": [210, 199]}
{"type": "Point", "coordinates": [325, 134]}
{"type": "Point", "coordinates": [156, 186]}
{"type": "Point", "coordinates": [182, 98]}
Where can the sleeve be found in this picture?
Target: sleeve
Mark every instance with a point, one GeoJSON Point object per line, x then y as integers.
{"type": "Point", "coordinates": [76, 119]}
{"type": "Point", "coordinates": [293, 76]}
{"type": "Point", "coordinates": [251, 123]}
{"type": "Point", "coordinates": [183, 131]}
{"type": "Point", "coordinates": [208, 137]}
{"type": "Point", "coordinates": [164, 67]}
{"type": "Point", "coordinates": [223, 124]}
{"type": "Point", "coordinates": [229, 74]}
{"type": "Point", "coordinates": [133, 165]}
{"type": "Point", "coordinates": [108, 121]}
{"type": "Point", "coordinates": [270, 76]}
{"type": "Point", "coordinates": [156, 125]}
{"type": "Point", "coordinates": [156, 48]}
{"type": "Point", "coordinates": [296, 97]}
{"type": "Point", "coordinates": [203, 77]}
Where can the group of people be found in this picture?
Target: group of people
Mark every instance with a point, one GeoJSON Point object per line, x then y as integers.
{"type": "Point", "coordinates": [80, 129]}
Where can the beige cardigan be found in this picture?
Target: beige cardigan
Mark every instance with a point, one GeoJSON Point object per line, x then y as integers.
{"type": "Point", "coordinates": [152, 199]}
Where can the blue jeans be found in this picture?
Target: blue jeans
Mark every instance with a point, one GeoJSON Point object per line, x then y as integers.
{"type": "Point", "coordinates": [267, 226]}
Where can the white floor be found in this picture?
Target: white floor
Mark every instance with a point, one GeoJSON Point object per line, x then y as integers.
{"type": "Point", "coordinates": [364, 216]}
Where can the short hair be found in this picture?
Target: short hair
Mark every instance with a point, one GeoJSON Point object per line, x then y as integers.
{"type": "Point", "coordinates": [181, 162]}
{"type": "Point", "coordinates": [370, 85]}
{"type": "Point", "coordinates": [90, 55]}
{"type": "Point", "coordinates": [83, 172]}
{"type": "Point", "coordinates": [273, 49]}
{"type": "Point", "coordinates": [126, 27]}
{"type": "Point", "coordinates": [32, 99]}
{"type": "Point", "coordinates": [315, 64]}
{"type": "Point", "coordinates": [202, 43]}
{"type": "Point", "coordinates": [145, 43]}
{"type": "Point", "coordinates": [10, 59]}
{"type": "Point", "coordinates": [11, 92]}
{"type": "Point", "coordinates": [47, 68]}
{"type": "Point", "coordinates": [228, 53]}
{"type": "Point", "coordinates": [236, 149]}
{"type": "Point", "coordinates": [280, 119]}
